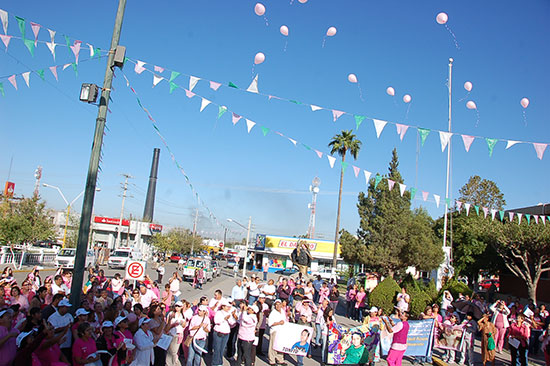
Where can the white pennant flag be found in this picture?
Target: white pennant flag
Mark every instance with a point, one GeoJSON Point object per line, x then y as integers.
{"type": "Point", "coordinates": [51, 47]}
{"type": "Point", "coordinates": [437, 199]}
{"type": "Point", "coordinates": [402, 188]}
{"type": "Point", "coordinates": [156, 80]}
{"type": "Point", "coordinates": [139, 67]}
{"type": "Point", "coordinates": [204, 103]}
{"type": "Point", "coordinates": [4, 18]}
{"type": "Point", "coordinates": [379, 126]}
{"type": "Point", "coordinates": [536, 218]}
{"type": "Point", "coordinates": [519, 218]}
{"type": "Point", "coordinates": [467, 207]}
{"type": "Point", "coordinates": [367, 176]}
{"type": "Point", "coordinates": [249, 124]}
{"type": "Point", "coordinates": [253, 88]}
{"type": "Point", "coordinates": [91, 50]}
{"type": "Point", "coordinates": [52, 35]}
{"type": "Point", "coordinates": [26, 77]}
{"type": "Point", "coordinates": [401, 130]}
{"type": "Point", "coordinates": [292, 140]}
{"type": "Point", "coordinates": [444, 137]}
{"type": "Point", "coordinates": [493, 214]}
{"type": "Point", "coordinates": [544, 219]}
{"type": "Point", "coordinates": [511, 143]}
{"type": "Point", "coordinates": [511, 216]}
{"type": "Point", "coordinates": [315, 108]}
{"type": "Point", "coordinates": [65, 66]}
{"type": "Point", "coordinates": [193, 82]}
{"type": "Point", "coordinates": [331, 160]}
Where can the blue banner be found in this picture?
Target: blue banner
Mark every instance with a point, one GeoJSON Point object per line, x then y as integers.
{"type": "Point", "coordinates": [419, 340]}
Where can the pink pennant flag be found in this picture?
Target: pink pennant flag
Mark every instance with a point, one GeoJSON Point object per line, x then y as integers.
{"type": "Point", "coordinates": [536, 218]}
{"type": "Point", "coordinates": [35, 29]}
{"type": "Point", "coordinates": [214, 86]}
{"type": "Point", "coordinates": [391, 183]}
{"type": "Point", "coordinates": [319, 154]}
{"type": "Point", "coordinates": [53, 69]}
{"type": "Point", "coordinates": [331, 160]}
{"type": "Point", "coordinates": [485, 211]}
{"type": "Point", "coordinates": [269, 97]}
{"type": "Point", "coordinates": [511, 216]}
{"type": "Point", "coordinates": [159, 69]}
{"type": "Point", "coordinates": [13, 81]}
{"type": "Point", "coordinates": [6, 40]}
{"type": "Point", "coordinates": [401, 130]}
{"type": "Point", "coordinates": [280, 134]}
{"type": "Point", "coordinates": [467, 141]}
{"type": "Point", "coordinates": [189, 93]}
{"type": "Point", "coordinates": [235, 118]}
{"type": "Point", "coordinates": [402, 188]}
{"type": "Point", "coordinates": [139, 67]}
{"type": "Point", "coordinates": [76, 50]}
{"type": "Point", "coordinates": [459, 205]}
{"type": "Point", "coordinates": [292, 140]}
{"type": "Point", "coordinates": [4, 19]}
{"type": "Point", "coordinates": [544, 219]}
{"type": "Point", "coordinates": [356, 170]}
{"type": "Point", "coordinates": [539, 148]}
{"type": "Point", "coordinates": [27, 76]}
{"type": "Point", "coordinates": [425, 195]}
{"type": "Point", "coordinates": [336, 114]}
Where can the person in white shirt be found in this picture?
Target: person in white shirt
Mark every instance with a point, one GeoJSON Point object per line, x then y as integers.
{"type": "Point", "coordinates": [445, 302]}
{"type": "Point", "coordinates": [60, 320]}
{"type": "Point", "coordinates": [239, 292]}
{"type": "Point", "coordinates": [146, 297]}
{"type": "Point", "coordinates": [222, 320]}
{"type": "Point", "coordinates": [403, 300]}
{"type": "Point", "coordinates": [58, 286]}
{"type": "Point", "coordinates": [215, 302]}
{"type": "Point", "coordinates": [253, 290]}
{"type": "Point", "coordinates": [175, 285]}
{"type": "Point", "coordinates": [269, 292]}
{"type": "Point", "coordinates": [275, 320]}
{"type": "Point", "coordinates": [144, 341]}
{"type": "Point", "coordinates": [116, 283]}
{"type": "Point", "coordinates": [181, 263]}
{"type": "Point", "coordinates": [176, 318]}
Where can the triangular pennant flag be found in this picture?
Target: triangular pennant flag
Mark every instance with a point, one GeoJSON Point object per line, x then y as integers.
{"type": "Point", "coordinates": [5, 40]}
{"type": "Point", "coordinates": [97, 52]}
{"type": "Point", "coordinates": [459, 205]}
{"type": "Point", "coordinates": [437, 199]}
{"type": "Point", "coordinates": [40, 73]}
{"type": "Point", "coordinates": [253, 87]}
{"type": "Point", "coordinates": [139, 67]}
{"type": "Point", "coordinates": [511, 143]}
{"type": "Point", "coordinates": [193, 80]}
{"type": "Point", "coordinates": [401, 130]}
{"type": "Point", "coordinates": [413, 193]}
{"type": "Point", "coordinates": [249, 124]}
{"type": "Point", "coordinates": [444, 138]}
{"type": "Point", "coordinates": [53, 69]}
{"type": "Point", "coordinates": [52, 34]}
{"type": "Point", "coordinates": [477, 209]}
{"type": "Point", "coordinates": [336, 114]}
{"type": "Point", "coordinates": [189, 94]}
{"type": "Point", "coordinates": [265, 130]}
{"type": "Point", "coordinates": [536, 218]}
{"type": "Point", "coordinates": [377, 180]}
{"type": "Point", "coordinates": [173, 75]}
{"type": "Point", "coordinates": [520, 215]}
{"type": "Point", "coordinates": [3, 94]}
{"type": "Point", "coordinates": [235, 118]}
{"type": "Point", "coordinates": [402, 188]}
{"type": "Point", "coordinates": [379, 126]}
{"type": "Point", "coordinates": [307, 147]}
{"type": "Point", "coordinates": [425, 195]}
{"type": "Point", "coordinates": [447, 202]}
{"type": "Point", "coordinates": [467, 207]}
{"type": "Point", "coordinates": [344, 165]}
{"type": "Point", "coordinates": [221, 110]}
{"type": "Point", "coordinates": [356, 171]}
{"type": "Point", "coordinates": [315, 108]}
{"type": "Point", "coordinates": [367, 176]}
{"type": "Point", "coordinates": [66, 66]}
{"type": "Point", "coordinates": [501, 214]}
{"type": "Point", "coordinates": [467, 139]}
{"type": "Point", "coordinates": [331, 160]}
{"type": "Point", "coordinates": [485, 211]}
{"type": "Point", "coordinates": [76, 50]}
{"type": "Point", "coordinates": [67, 40]}
{"type": "Point", "coordinates": [75, 68]}
{"type": "Point", "coordinates": [391, 183]}
{"type": "Point", "coordinates": [319, 154]}
{"type": "Point", "coordinates": [13, 81]}
{"type": "Point", "coordinates": [493, 214]}
{"type": "Point", "coordinates": [539, 148]}
{"type": "Point", "coordinates": [528, 217]}
{"type": "Point", "coordinates": [51, 47]}
{"type": "Point", "coordinates": [30, 45]}
{"type": "Point", "coordinates": [491, 144]}
{"type": "Point", "coordinates": [158, 69]}
{"type": "Point", "coordinates": [293, 141]}
{"type": "Point", "coordinates": [214, 86]}
{"type": "Point", "coordinates": [26, 76]}
{"type": "Point", "coordinates": [4, 19]}
{"type": "Point", "coordinates": [21, 24]}
{"type": "Point", "coordinates": [358, 121]}
{"type": "Point", "coordinates": [91, 50]}
{"type": "Point", "coordinates": [231, 85]}
{"type": "Point", "coordinates": [424, 132]}
{"type": "Point", "coordinates": [204, 103]}
{"type": "Point", "coordinates": [157, 79]}
{"type": "Point", "coordinates": [174, 86]}
{"type": "Point", "coordinates": [511, 216]}
{"type": "Point", "coordinates": [35, 29]}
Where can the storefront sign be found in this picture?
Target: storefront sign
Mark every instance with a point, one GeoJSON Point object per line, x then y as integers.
{"type": "Point", "coordinates": [110, 221]}
{"type": "Point", "coordinates": [288, 244]}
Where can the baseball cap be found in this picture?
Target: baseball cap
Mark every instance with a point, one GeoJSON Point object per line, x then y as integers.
{"type": "Point", "coordinates": [374, 309]}
{"type": "Point", "coordinates": [262, 296]}
{"type": "Point", "coordinates": [178, 303]}
{"type": "Point", "coordinates": [225, 302]}
{"type": "Point", "coordinates": [81, 311]}
{"type": "Point", "coordinates": [143, 321]}
{"type": "Point", "coordinates": [107, 324]}
{"type": "Point", "coordinates": [119, 319]}
{"type": "Point", "coordinates": [203, 308]}
{"type": "Point", "coordinates": [22, 336]}
{"type": "Point", "coordinates": [64, 302]}
{"type": "Point", "coordinates": [254, 308]}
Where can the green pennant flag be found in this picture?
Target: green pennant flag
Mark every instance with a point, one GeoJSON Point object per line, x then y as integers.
{"type": "Point", "coordinates": [67, 41]}
{"type": "Point", "coordinates": [424, 132]}
{"type": "Point", "coordinates": [221, 110]}
{"type": "Point", "coordinates": [501, 214]}
{"type": "Point", "coordinates": [377, 180]}
{"type": "Point", "coordinates": [173, 86]}
{"type": "Point", "coordinates": [30, 45]}
{"type": "Point", "coordinates": [2, 91]}
{"type": "Point", "coordinates": [304, 145]}
{"type": "Point", "coordinates": [358, 121]}
{"type": "Point", "coordinates": [97, 52]}
{"type": "Point", "coordinates": [21, 23]}
{"type": "Point", "coordinates": [448, 202]}
{"type": "Point", "coordinates": [491, 145]}
{"type": "Point", "coordinates": [139, 102]}
{"type": "Point", "coordinates": [528, 217]}
{"type": "Point", "coordinates": [40, 73]}
{"type": "Point", "coordinates": [265, 130]}
{"type": "Point", "coordinates": [75, 68]}
{"type": "Point", "coordinates": [477, 209]}
{"type": "Point", "coordinates": [295, 101]}
{"type": "Point", "coordinates": [344, 166]}
{"type": "Point", "coordinates": [174, 75]}
{"type": "Point", "coordinates": [413, 193]}
{"type": "Point", "coordinates": [231, 85]}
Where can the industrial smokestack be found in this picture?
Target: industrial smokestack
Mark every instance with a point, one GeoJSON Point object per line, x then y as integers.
{"type": "Point", "coordinates": [150, 199]}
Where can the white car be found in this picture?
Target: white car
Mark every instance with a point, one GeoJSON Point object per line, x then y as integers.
{"type": "Point", "coordinates": [326, 274]}
{"type": "Point", "coordinates": [120, 257]}
{"type": "Point", "coordinates": [65, 258]}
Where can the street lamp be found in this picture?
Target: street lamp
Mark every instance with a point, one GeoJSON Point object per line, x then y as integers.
{"type": "Point", "coordinates": [247, 240]}
{"type": "Point", "coordinates": [69, 205]}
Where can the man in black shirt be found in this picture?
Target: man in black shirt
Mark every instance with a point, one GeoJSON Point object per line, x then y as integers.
{"type": "Point", "coordinates": [52, 308]}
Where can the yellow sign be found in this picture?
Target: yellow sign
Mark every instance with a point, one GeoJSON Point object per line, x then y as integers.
{"type": "Point", "coordinates": [315, 246]}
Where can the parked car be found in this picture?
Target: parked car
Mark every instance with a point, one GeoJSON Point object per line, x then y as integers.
{"type": "Point", "coordinates": [287, 271]}
{"type": "Point", "coordinates": [175, 257]}
{"type": "Point", "coordinates": [216, 269]}
{"type": "Point", "coordinates": [230, 263]}
{"type": "Point", "coordinates": [486, 284]}
{"type": "Point", "coordinates": [194, 263]}
{"type": "Point", "coordinates": [326, 274]}
{"type": "Point", "coordinates": [120, 257]}
{"type": "Point", "coordinates": [65, 258]}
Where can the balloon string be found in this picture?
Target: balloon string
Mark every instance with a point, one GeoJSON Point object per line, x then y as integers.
{"type": "Point", "coordinates": [477, 122]}
{"type": "Point", "coordinates": [408, 108]}
{"type": "Point", "coordinates": [324, 40]}
{"type": "Point", "coordinates": [266, 21]}
{"type": "Point", "coordinates": [253, 68]}
{"type": "Point", "coordinates": [360, 92]}
{"type": "Point", "coordinates": [467, 95]}
{"type": "Point", "coordinates": [284, 49]}
{"type": "Point", "coordinates": [394, 102]}
{"type": "Point", "coordinates": [454, 37]}
{"type": "Point", "coordinates": [524, 117]}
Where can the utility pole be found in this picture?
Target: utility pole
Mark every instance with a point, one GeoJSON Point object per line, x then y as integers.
{"type": "Point", "coordinates": [194, 229]}
{"type": "Point", "coordinates": [91, 180]}
{"type": "Point", "coordinates": [124, 190]}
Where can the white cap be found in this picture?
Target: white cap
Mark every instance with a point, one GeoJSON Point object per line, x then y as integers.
{"type": "Point", "coordinates": [81, 311]}
{"type": "Point", "coordinates": [374, 309]}
{"type": "Point", "coordinates": [107, 324]}
{"type": "Point", "coordinates": [119, 319]}
{"type": "Point", "coordinates": [178, 303]}
{"type": "Point", "coordinates": [22, 336]}
{"type": "Point", "coordinates": [262, 296]}
{"type": "Point", "coordinates": [203, 308]}
{"type": "Point", "coordinates": [225, 302]}
{"type": "Point", "coordinates": [254, 308]}
{"type": "Point", "coordinates": [143, 321]}
{"type": "Point", "coordinates": [64, 302]}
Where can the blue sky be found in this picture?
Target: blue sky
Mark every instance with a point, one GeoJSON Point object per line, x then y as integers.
{"type": "Point", "coordinates": [504, 52]}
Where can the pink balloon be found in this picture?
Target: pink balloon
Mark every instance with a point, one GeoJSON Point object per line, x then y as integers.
{"type": "Point", "coordinates": [407, 98]}
{"type": "Point", "coordinates": [331, 31]}
{"type": "Point", "coordinates": [390, 91]}
{"type": "Point", "coordinates": [471, 105]}
{"type": "Point", "coordinates": [441, 18]}
{"type": "Point", "coordinates": [303, 1]}
{"type": "Point", "coordinates": [284, 30]}
{"type": "Point", "coordinates": [259, 58]}
{"type": "Point", "coordinates": [352, 78]}
{"type": "Point", "coordinates": [259, 9]}
{"type": "Point", "coordinates": [524, 102]}
{"type": "Point", "coordinates": [468, 86]}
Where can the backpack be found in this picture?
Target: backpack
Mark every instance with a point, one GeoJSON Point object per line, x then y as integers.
{"type": "Point", "coordinates": [490, 342]}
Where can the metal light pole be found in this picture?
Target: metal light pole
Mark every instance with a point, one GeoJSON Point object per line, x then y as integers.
{"type": "Point", "coordinates": [91, 180]}
{"type": "Point", "coordinates": [247, 240]}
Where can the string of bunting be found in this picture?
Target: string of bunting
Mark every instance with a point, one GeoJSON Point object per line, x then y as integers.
{"type": "Point", "coordinates": [379, 124]}
{"type": "Point", "coordinates": [172, 156]}
{"type": "Point", "coordinates": [235, 118]}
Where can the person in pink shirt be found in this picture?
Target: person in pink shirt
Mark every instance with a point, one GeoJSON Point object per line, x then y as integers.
{"type": "Point", "coordinates": [84, 347]}
{"type": "Point", "coordinates": [49, 352]}
{"type": "Point", "coordinates": [360, 303]}
{"type": "Point", "coordinates": [199, 327]}
{"type": "Point", "coordinates": [319, 321]}
{"type": "Point", "coordinates": [167, 296]}
{"type": "Point", "coordinates": [350, 299]}
{"type": "Point", "coordinates": [324, 292]}
{"type": "Point", "coordinates": [8, 347]}
{"type": "Point", "coordinates": [247, 333]}
{"type": "Point", "coordinates": [519, 331]}
{"type": "Point", "coordinates": [18, 298]}
{"type": "Point", "coordinates": [400, 332]}
{"type": "Point", "coordinates": [306, 309]}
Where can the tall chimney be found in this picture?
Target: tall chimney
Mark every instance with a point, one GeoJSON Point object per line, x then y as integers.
{"type": "Point", "coordinates": [150, 199]}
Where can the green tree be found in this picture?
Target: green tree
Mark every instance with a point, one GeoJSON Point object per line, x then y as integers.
{"type": "Point", "coordinates": [353, 250]}
{"type": "Point", "coordinates": [341, 144]}
{"type": "Point", "coordinates": [482, 193]}
{"type": "Point", "coordinates": [423, 249]}
{"type": "Point", "coordinates": [178, 240]}
{"type": "Point", "coordinates": [26, 220]}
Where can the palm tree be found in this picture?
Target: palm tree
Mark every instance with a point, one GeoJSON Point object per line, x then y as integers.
{"type": "Point", "coordinates": [342, 144]}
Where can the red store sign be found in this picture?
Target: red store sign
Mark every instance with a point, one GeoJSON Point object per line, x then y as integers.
{"type": "Point", "coordinates": [110, 221]}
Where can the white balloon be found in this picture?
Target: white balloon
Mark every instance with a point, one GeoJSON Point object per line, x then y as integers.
{"type": "Point", "coordinates": [390, 91]}
{"type": "Point", "coordinates": [471, 105]}
{"type": "Point", "coordinates": [442, 18]}
{"type": "Point", "coordinates": [407, 98]}
{"type": "Point", "coordinates": [524, 102]}
{"type": "Point", "coordinates": [303, 1]}
{"type": "Point", "coordinates": [352, 78]}
{"type": "Point", "coordinates": [331, 31]}
{"type": "Point", "coordinates": [259, 9]}
{"type": "Point", "coordinates": [284, 30]}
{"type": "Point", "coordinates": [468, 86]}
{"type": "Point", "coordinates": [259, 58]}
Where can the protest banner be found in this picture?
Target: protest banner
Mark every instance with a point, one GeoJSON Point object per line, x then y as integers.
{"type": "Point", "coordinates": [449, 337]}
{"type": "Point", "coordinates": [419, 338]}
{"type": "Point", "coordinates": [293, 339]}
{"type": "Point", "coordinates": [352, 346]}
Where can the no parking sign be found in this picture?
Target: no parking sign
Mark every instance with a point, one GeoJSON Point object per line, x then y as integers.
{"type": "Point", "coordinates": [135, 270]}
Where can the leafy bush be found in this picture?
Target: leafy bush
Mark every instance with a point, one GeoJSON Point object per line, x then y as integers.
{"type": "Point", "coordinates": [383, 295]}
{"type": "Point", "coordinates": [455, 287]}
{"type": "Point", "coordinates": [431, 291]}
{"type": "Point", "coordinates": [419, 300]}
